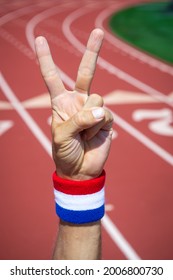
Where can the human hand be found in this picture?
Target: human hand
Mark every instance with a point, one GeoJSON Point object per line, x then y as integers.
{"type": "Point", "coordinates": [81, 126]}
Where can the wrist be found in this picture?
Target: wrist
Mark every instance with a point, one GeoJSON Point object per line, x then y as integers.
{"type": "Point", "coordinates": [78, 176]}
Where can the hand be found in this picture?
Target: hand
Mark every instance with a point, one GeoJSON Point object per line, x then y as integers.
{"type": "Point", "coordinates": [81, 126]}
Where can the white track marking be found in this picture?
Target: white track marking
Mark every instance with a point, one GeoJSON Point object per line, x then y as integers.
{"type": "Point", "coordinates": [68, 81]}
{"type": "Point", "coordinates": [160, 120]}
{"type": "Point", "coordinates": [5, 105]}
{"type": "Point", "coordinates": [161, 66]}
{"type": "Point", "coordinates": [40, 101]}
{"type": "Point", "coordinates": [5, 125]}
{"type": "Point", "coordinates": [107, 65]}
{"type": "Point", "coordinates": [127, 97]}
{"type": "Point", "coordinates": [32, 125]}
{"type": "Point", "coordinates": [119, 239]}
{"type": "Point", "coordinates": [109, 207]}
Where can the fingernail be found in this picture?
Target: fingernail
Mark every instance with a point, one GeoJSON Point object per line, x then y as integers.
{"type": "Point", "coordinates": [98, 113]}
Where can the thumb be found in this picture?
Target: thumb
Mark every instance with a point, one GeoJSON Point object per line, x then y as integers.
{"type": "Point", "coordinates": [82, 120]}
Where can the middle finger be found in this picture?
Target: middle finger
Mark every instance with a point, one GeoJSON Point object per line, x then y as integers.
{"type": "Point", "coordinates": [88, 63]}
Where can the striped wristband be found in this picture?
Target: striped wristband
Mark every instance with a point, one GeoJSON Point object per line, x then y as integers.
{"type": "Point", "coordinates": [79, 202]}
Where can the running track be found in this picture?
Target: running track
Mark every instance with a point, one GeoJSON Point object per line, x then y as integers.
{"type": "Point", "coordinates": [136, 87]}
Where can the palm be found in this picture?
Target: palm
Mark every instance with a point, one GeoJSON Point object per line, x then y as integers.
{"type": "Point", "coordinates": [80, 154]}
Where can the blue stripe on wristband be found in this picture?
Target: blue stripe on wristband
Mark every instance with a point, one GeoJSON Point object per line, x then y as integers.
{"type": "Point", "coordinates": [80, 217]}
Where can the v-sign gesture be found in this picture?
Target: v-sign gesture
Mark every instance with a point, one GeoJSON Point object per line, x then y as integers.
{"type": "Point", "coordinates": [81, 126]}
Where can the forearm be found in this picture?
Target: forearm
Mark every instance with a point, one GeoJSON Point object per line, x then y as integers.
{"type": "Point", "coordinates": [82, 242]}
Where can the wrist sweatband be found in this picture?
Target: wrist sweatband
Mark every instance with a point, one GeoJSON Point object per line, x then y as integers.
{"type": "Point", "coordinates": [79, 202]}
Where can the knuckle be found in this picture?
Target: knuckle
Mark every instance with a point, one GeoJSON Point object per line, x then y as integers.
{"type": "Point", "coordinates": [109, 116]}
{"type": "Point", "coordinates": [50, 73]}
{"type": "Point", "coordinates": [57, 135]}
{"type": "Point", "coordinates": [86, 71]}
{"type": "Point", "coordinates": [57, 139]}
{"type": "Point", "coordinates": [76, 120]}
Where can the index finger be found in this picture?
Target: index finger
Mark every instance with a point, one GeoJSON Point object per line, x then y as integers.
{"type": "Point", "coordinates": [89, 60]}
{"type": "Point", "coordinates": [48, 68]}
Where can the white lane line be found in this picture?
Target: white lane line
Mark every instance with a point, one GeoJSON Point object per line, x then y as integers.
{"type": "Point", "coordinates": [119, 239]}
{"type": "Point", "coordinates": [161, 66]}
{"type": "Point", "coordinates": [68, 81]}
{"type": "Point", "coordinates": [108, 66]}
{"type": "Point", "coordinates": [32, 125]}
{"type": "Point", "coordinates": [5, 125]}
{"type": "Point", "coordinates": [17, 13]}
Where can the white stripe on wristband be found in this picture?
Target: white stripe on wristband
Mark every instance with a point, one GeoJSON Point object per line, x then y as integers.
{"type": "Point", "coordinates": [79, 202]}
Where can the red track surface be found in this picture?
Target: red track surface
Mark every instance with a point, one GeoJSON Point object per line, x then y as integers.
{"type": "Point", "coordinates": [139, 196]}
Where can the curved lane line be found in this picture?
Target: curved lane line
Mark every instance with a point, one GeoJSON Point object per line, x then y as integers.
{"type": "Point", "coordinates": [16, 14]}
{"type": "Point", "coordinates": [108, 66]}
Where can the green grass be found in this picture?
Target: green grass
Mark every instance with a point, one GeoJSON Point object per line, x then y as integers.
{"type": "Point", "coordinates": [147, 26]}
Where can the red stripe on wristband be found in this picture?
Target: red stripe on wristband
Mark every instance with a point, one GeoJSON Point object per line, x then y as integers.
{"type": "Point", "coordinates": [79, 187]}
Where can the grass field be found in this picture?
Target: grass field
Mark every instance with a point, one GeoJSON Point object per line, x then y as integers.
{"type": "Point", "coordinates": [148, 27]}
